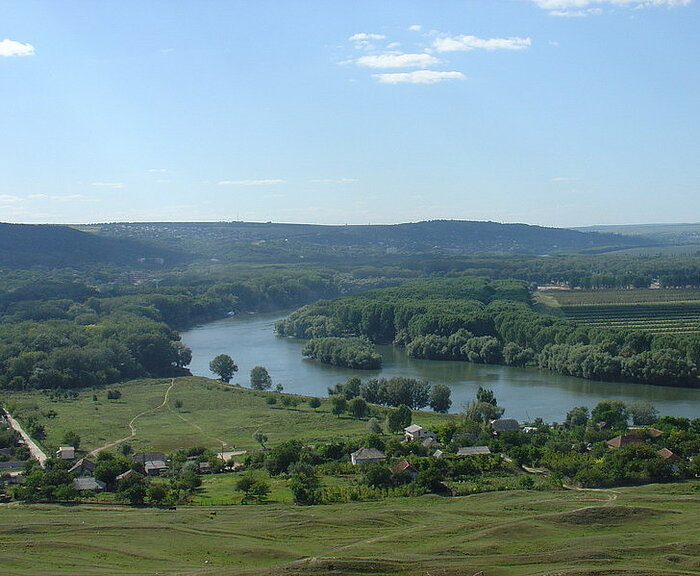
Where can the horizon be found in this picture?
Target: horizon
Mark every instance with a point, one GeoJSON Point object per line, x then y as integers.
{"type": "Point", "coordinates": [558, 113]}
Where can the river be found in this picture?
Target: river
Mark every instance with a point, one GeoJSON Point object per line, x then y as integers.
{"type": "Point", "coordinates": [525, 393]}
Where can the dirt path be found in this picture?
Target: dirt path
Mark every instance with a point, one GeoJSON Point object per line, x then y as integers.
{"type": "Point", "coordinates": [131, 425]}
{"type": "Point", "coordinates": [36, 452]}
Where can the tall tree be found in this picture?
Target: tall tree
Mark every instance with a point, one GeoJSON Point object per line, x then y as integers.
{"type": "Point", "coordinates": [224, 367]}
{"type": "Point", "coordinates": [260, 378]}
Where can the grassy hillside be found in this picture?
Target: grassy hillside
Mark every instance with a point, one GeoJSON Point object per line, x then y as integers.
{"type": "Point", "coordinates": [652, 530]}
{"type": "Point", "coordinates": [24, 245]}
{"type": "Point", "coordinates": [210, 414]}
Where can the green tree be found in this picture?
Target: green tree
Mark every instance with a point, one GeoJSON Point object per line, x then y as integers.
{"type": "Point", "coordinates": [374, 426]}
{"type": "Point", "coordinates": [399, 419]}
{"type": "Point", "coordinates": [260, 438]}
{"type": "Point", "coordinates": [440, 400]}
{"type": "Point", "coordinates": [304, 483]}
{"type": "Point", "coordinates": [223, 366]}
{"type": "Point", "coordinates": [260, 378]}
{"type": "Point", "coordinates": [314, 403]}
{"type": "Point", "coordinates": [577, 416]}
{"type": "Point", "coordinates": [643, 413]}
{"type": "Point", "coordinates": [339, 405]}
{"type": "Point", "coordinates": [253, 489]}
{"type": "Point", "coordinates": [613, 413]}
{"type": "Point", "coordinates": [358, 408]}
{"type": "Point", "coordinates": [71, 438]}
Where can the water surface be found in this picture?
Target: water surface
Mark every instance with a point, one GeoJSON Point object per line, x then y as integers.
{"type": "Point", "coordinates": [526, 393]}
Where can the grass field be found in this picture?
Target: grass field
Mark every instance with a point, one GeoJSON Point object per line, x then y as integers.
{"type": "Point", "coordinates": [651, 530]}
{"type": "Point", "coordinates": [662, 311]}
{"type": "Point", "coordinates": [211, 414]}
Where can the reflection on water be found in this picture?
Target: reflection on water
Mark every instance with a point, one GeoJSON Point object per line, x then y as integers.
{"type": "Point", "coordinates": [525, 393]}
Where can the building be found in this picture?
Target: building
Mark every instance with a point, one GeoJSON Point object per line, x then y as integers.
{"type": "Point", "coordinates": [404, 467]}
{"type": "Point", "coordinates": [155, 467]}
{"type": "Point", "coordinates": [474, 451]}
{"type": "Point", "coordinates": [367, 455]}
{"type": "Point", "coordinates": [83, 467]}
{"type": "Point", "coordinates": [416, 432]}
{"type": "Point", "coordinates": [65, 453]}
{"type": "Point", "coordinates": [624, 440]}
{"type": "Point", "coordinates": [505, 425]}
{"type": "Point", "coordinates": [89, 483]}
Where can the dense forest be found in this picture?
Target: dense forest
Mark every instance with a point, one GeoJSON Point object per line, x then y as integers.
{"type": "Point", "coordinates": [478, 320]}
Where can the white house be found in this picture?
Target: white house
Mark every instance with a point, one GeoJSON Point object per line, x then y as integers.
{"type": "Point", "coordinates": [367, 455]}
{"type": "Point", "coordinates": [416, 432]}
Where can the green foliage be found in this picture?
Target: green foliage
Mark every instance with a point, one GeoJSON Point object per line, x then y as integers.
{"type": "Point", "coordinates": [643, 413]}
{"type": "Point", "coordinates": [355, 353]}
{"type": "Point", "coordinates": [399, 419]}
{"type": "Point", "coordinates": [224, 367]}
{"type": "Point", "coordinates": [314, 403]}
{"type": "Point", "coordinates": [358, 408]}
{"type": "Point", "coordinates": [72, 439]}
{"type": "Point", "coordinates": [254, 490]}
{"type": "Point", "coordinates": [440, 398]}
{"type": "Point", "coordinates": [260, 378]}
{"type": "Point", "coordinates": [613, 413]}
{"type": "Point", "coordinates": [339, 405]}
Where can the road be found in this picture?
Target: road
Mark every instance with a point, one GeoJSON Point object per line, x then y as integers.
{"type": "Point", "coordinates": [36, 452]}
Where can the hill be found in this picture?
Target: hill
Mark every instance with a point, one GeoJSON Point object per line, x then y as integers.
{"type": "Point", "coordinates": [26, 245]}
{"type": "Point", "coordinates": [674, 234]}
{"type": "Point", "coordinates": [250, 240]}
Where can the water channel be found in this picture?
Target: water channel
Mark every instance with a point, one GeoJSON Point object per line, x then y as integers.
{"type": "Point", "coordinates": [526, 393]}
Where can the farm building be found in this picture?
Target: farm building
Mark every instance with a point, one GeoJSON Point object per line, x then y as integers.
{"type": "Point", "coordinates": [367, 455]}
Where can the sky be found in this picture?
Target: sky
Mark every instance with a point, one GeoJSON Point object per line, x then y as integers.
{"type": "Point", "coordinates": [551, 112]}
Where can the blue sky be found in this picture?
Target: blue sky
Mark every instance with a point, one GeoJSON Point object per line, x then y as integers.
{"type": "Point", "coordinates": [550, 112]}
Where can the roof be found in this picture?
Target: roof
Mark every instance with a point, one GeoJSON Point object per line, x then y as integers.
{"type": "Point", "coordinates": [413, 428]}
{"type": "Point", "coordinates": [438, 454]}
{"type": "Point", "coordinates": [505, 424]}
{"type": "Point", "coordinates": [430, 442]}
{"type": "Point", "coordinates": [402, 466]}
{"type": "Point", "coordinates": [82, 465]}
{"type": "Point", "coordinates": [666, 454]}
{"type": "Point", "coordinates": [155, 465]}
{"type": "Point", "coordinates": [368, 454]}
{"type": "Point", "coordinates": [143, 457]}
{"type": "Point", "coordinates": [623, 440]}
{"type": "Point", "coordinates": [88, 483]}
{"type": "Point", "coordinates": [473, 451]}
{"type": "Point", "coordinates": [646, 431]}
{"type": "Point", "coordinates": [128, 474]}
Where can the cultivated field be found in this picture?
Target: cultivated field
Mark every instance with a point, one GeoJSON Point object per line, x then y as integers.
{"type": "Point", "coordinates": [659, 311]}
{"type": "Point", "coordinates": [650, 530]}
{"type": "Point", "coordinates": [211, 415]}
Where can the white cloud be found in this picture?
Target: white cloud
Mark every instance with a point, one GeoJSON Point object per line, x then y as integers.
{"type": "Point", "coordinates": [418, 77]}
{"type": "Point", "coordinates": [9, 199]}
{"type": "Point", "coordinates": [415, 28]}
{"type": "Point", "coordinates": [262, 182]}
{"type": "Point", "coordinates": [59, 197]}
{"type": "Point", "coordinates": [157, 170]}
{"type": "Point", "coordinates": [581, 8]}
{"type": "Point", "coordinates": [397, 60]}
{"type": "Point", "coordinates": [362, 37]}
{"type": "Point", "coordinates": [108, 184]}
{"type": "Point", "coordinates": [14, 48]}
{"type": "Point", "coordinates": [462, 42]}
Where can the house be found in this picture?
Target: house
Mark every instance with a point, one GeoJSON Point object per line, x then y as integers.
{"type": "Point", "coordinates": [155, 467]}
{"type": "Point", "coordinates": [367, 455]}
{"type": "Point", "coordinates": [83, 467]}
{"type": "Point", "coordinates": [645, 431]}
{"type": "Point", "coordinates": [416, 432]}
{"type": "Point", "coordinates": [505, 425]}
{"type": "Point", "coordinates": [404, 467]}
{"type": "Point", "coordinates": [666, 454]}
{"type": "Point", "coordinates": [128, 474]}
{"type": "Point", "coordinates": [438, 454]}
{"type": "Point", "coordinates": [65, 453]}
{"type": "Point", "coordinates": [88, 483]}
{"type": "Point", "coordinates": [624, 440]}
{"type": "Point", "coordinates": [474, 451]}
{"type": "Point", "coordinates": [143, 457]}
{"type": "Point", "coordinates": [431, 443]}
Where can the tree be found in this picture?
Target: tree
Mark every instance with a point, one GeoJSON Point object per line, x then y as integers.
{"type": "Point", "coordinates": [613, 413]}
{"type": "Point", "coordinates": [304, 483]}
{"type": "Point", "coordinates": [314, 403]}
{"type": "Point", "coordinates": [576, 417]}
{"type": "Point", "coordinates": [223, 366]}
{"type": "Point", "coordinates": [260, 378]}
{"type": "Point", "coordinates": [486, 395]}
{"type": "Point", "coordinates": [440, 398]}
{"type": "Point", "coordinates": [374, 426]}
{"type": "Point", "coordinates": [358, 408]}
{"type": "Point", "coordinates": [400, 418]}
{"type": "Point", "coordinates": [253, 489]}
{"type": "Point", "coordinates": [340, 404]}
{"type": "Point", "coordinates": [72, 439]}
{"type": "Point", "coordinates": [643, 413]}
{"type": "Point", "coordinates": [260, 438]}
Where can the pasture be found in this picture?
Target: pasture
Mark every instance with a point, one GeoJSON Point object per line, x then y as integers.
{"type": "Point", "coordinates": [658, 311]}
{"type": "Point", "coordinates": [210, 414]}
{"type": "Point", "coordinates": [651, 530]}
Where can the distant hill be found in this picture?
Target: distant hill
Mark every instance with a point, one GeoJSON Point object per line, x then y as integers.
{"type": "Point", "coordinates": [674, 234]}
{"type": "Point", "coordinates": [26, 245]}
{"type": "Point", "coordinates": [226, 239]}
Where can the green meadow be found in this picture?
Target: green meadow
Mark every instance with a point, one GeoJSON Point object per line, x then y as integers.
{"type": "Point", "coordinates": [211, 414]}
{"type": "Point", "coordinates": [649, 530]}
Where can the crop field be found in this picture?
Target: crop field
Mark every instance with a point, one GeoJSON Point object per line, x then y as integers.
{"type": "Point", "coordinates": [210, 414]}
{"type": "Point", "coordinates": [651, 530]}
{"type": "Point", "coordinates": [661, 311]}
